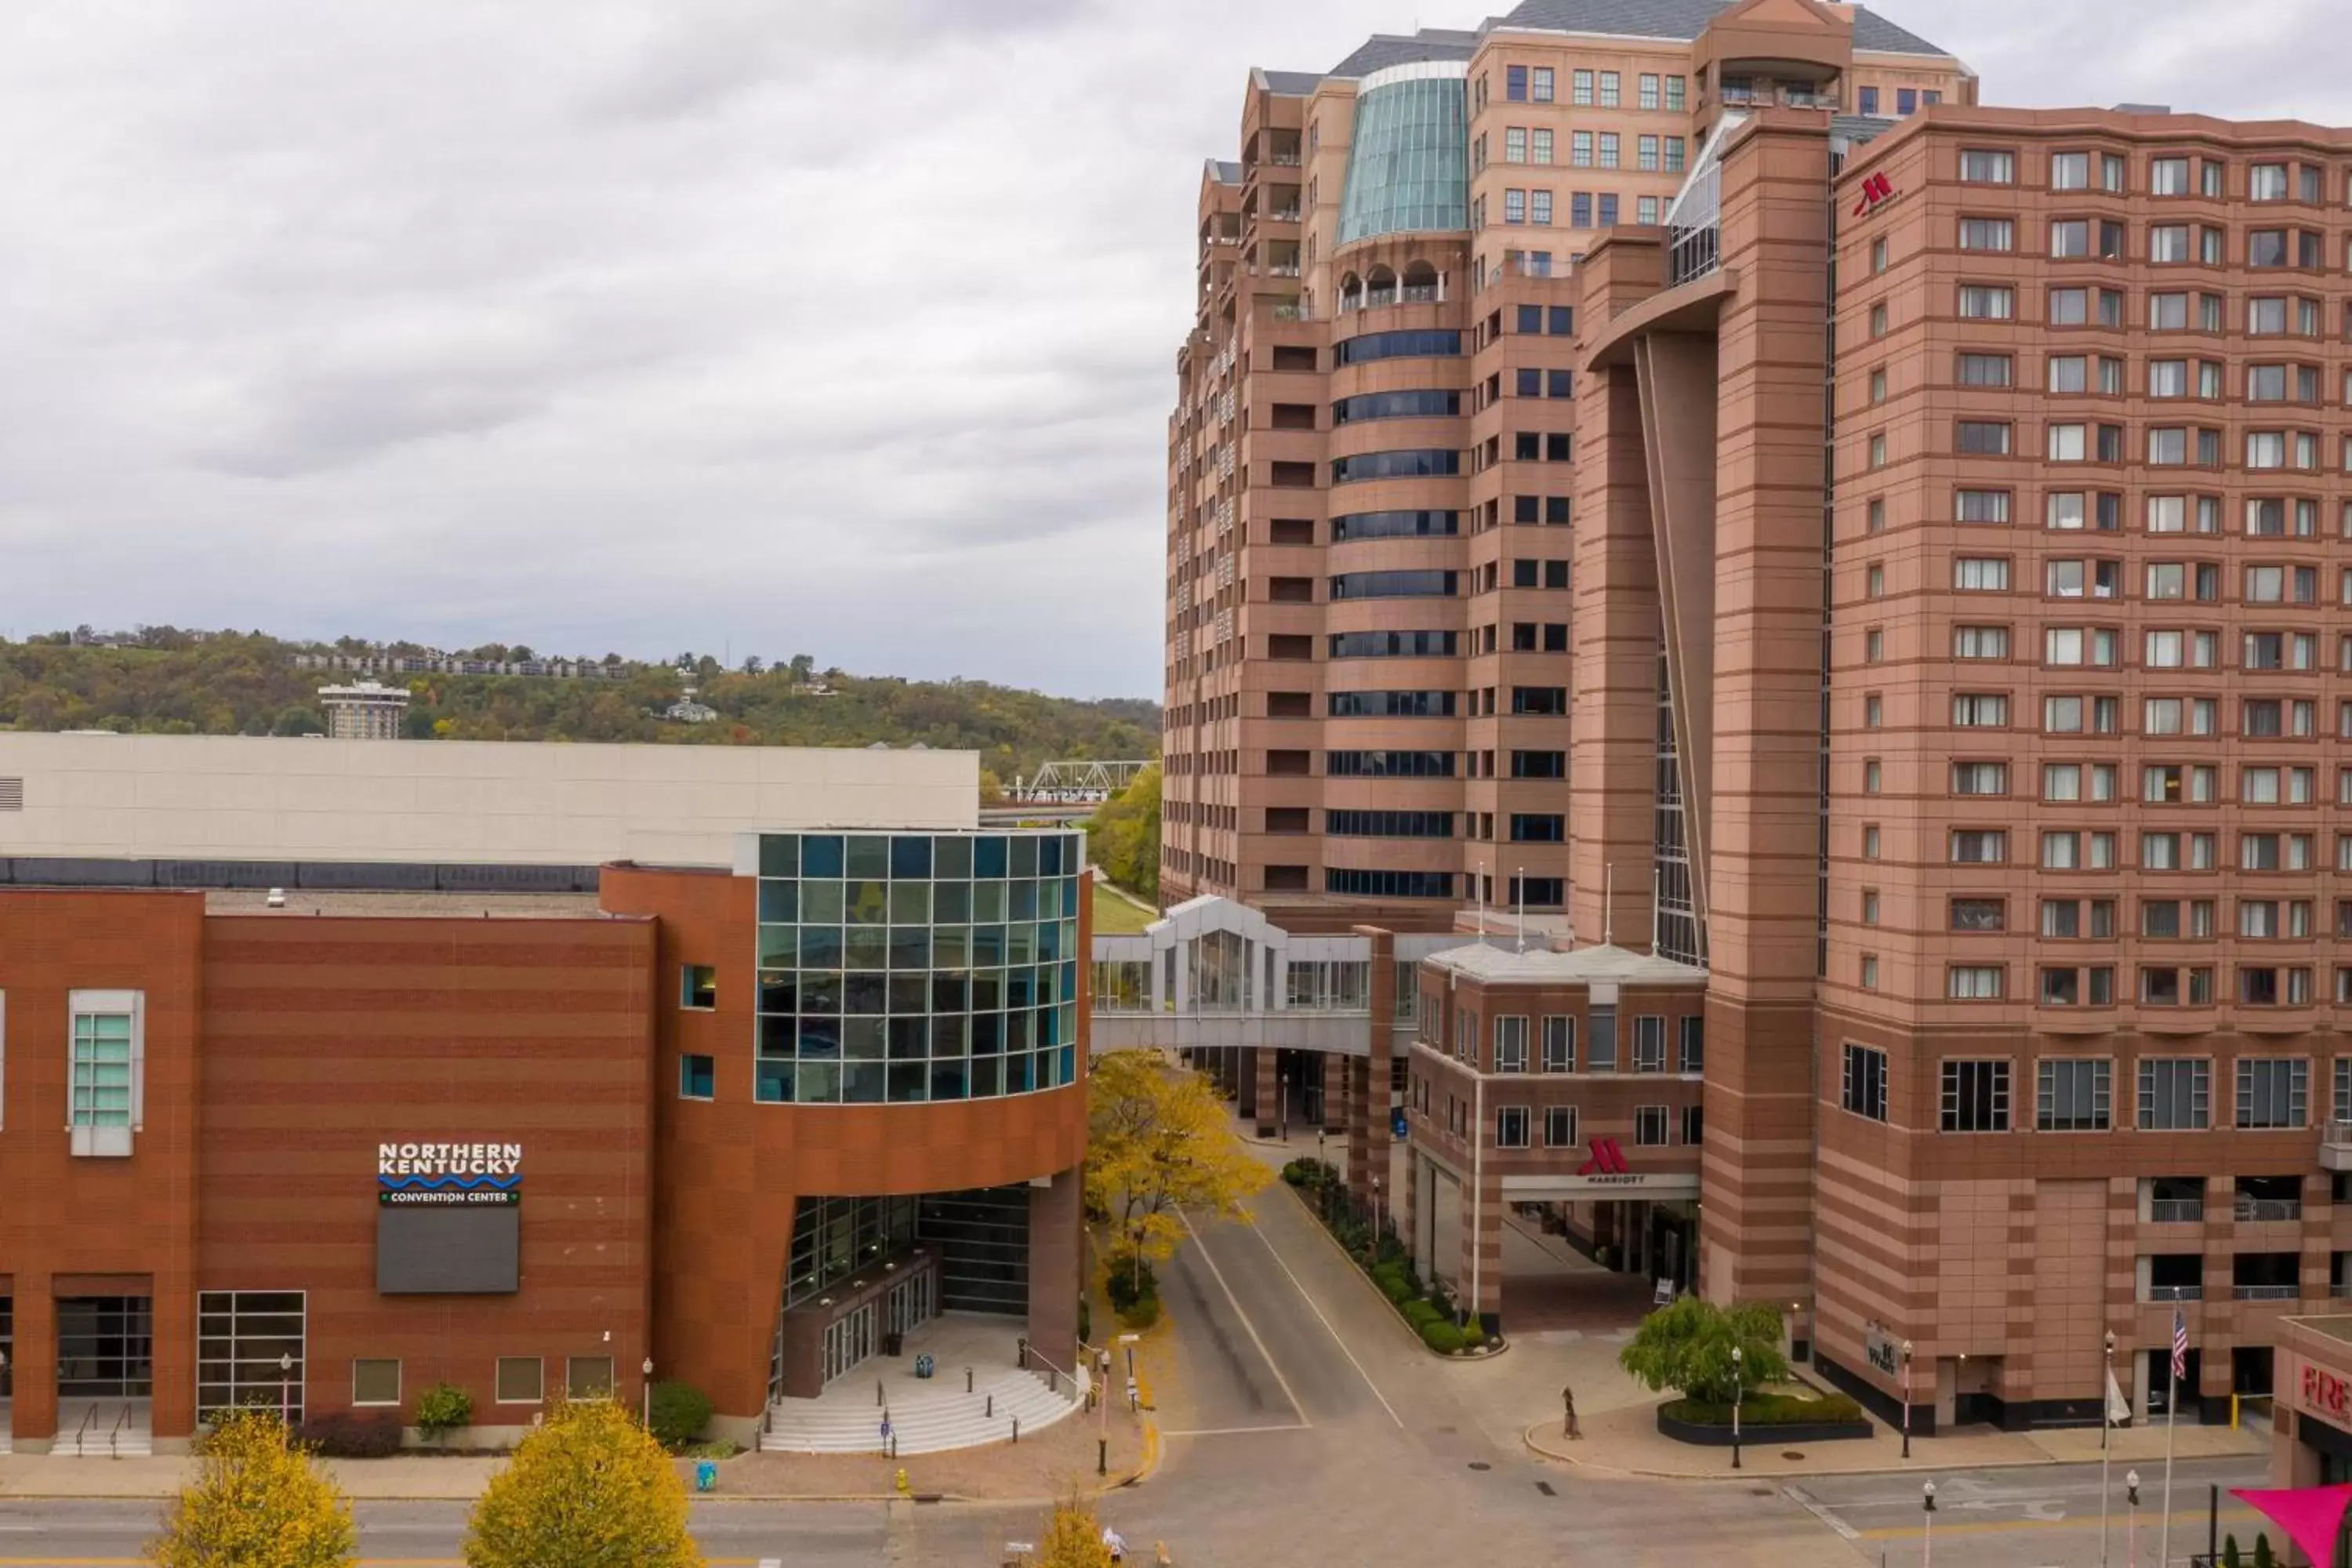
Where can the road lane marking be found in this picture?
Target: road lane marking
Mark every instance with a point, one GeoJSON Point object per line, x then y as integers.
{"type": "Point", "coordinates": [1820, 1511]}
{"type": "Point", "coordinates": [1234, 1431]}
{"type": "Point", "coordinates": [1327, 1328]}
{"type": "Point", "coordinates": [1201, 1248]}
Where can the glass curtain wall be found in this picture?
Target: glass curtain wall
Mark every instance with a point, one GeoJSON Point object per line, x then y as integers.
{"type": "Point", "coordinates": [1409, 163]}
{"type": "Point", "coordinates": [908, 967]}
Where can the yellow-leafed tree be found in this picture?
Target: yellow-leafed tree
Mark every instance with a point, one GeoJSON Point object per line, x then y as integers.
{"type": "Point", "coordinates": [589, 1488]}
{"type": "Point", "coordinates": [257, 1502]}
{"type": "Point", "coordinates": [1157, 1141]}
{"type": "Point", "coordinates": [1073, 1539]}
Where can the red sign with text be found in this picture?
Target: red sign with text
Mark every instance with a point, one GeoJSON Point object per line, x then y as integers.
{"type": "Point", "coordinates": [2324, 1394]}
{"type": "Point", "coordinates": [1875, 189]}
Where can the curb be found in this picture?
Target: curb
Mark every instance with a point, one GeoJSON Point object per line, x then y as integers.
{"type": "Point", "coordinates": [1394, 1316]}
{"type": "Point", "coordinates": [1750, 1479]}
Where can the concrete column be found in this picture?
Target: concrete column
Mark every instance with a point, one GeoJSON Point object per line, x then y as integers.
{"type": "Point", "coordinates": [1408, 1212]}
{"type": "Point", "coordinates": [1264, 1101]}
{"type": "Point", "coordinates": [1367, 1101]}
{"type": "Point", "coordinates": [1482, 1246]}
{"type": "Point", "coordinates": [1055, 1215]}
{"type": "Point", "coordinates": [173, 1412]}
{"type": "Point", "coordinates": [1336, 1082]}
{"type": "Point", "coordinates": [34, 1356]}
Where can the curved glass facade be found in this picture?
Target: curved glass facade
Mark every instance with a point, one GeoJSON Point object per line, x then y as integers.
{"type": "Point", "coordinates": [1409, 162]}
{"type": "Point", "coordinates": [905, 967]}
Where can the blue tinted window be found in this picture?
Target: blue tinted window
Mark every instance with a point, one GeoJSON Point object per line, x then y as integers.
{"type": "Point", "coordinates": [987, 858]}
{"type": "Point", "coordinates": [911, 855]}
{"type": "Point", "coordinates": [1907, 99]}
{"type": "Point", "coordinates": [1418, 343]}
{"type": "Point", "coordinates": [1563, 321]}
{"type": "Point", "coordinates": [1514, 84]}
{"type": "Point", "coordinates": [780, 854]}
{"type": "Point", "coordinates": [695, 1078]}
{"type": "Point", "coordinates": [1394, 525]}
{"type": "Point", "coordinates": [820, 855]}
{"type": "Point", "coordinates": [1417, 404]}
{"type": "Point", "coordinates": [1408, 161]}
{"type": "Point", "coordinates": [1868, 103]}
{"type": "Point", "coordinates": [1423, 584]}
{"type": "Point", "coordinates": [1414, 463]}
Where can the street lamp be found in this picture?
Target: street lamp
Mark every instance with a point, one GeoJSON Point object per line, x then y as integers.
{"type": "Point", "coordinates": [1376, 1219]}
{"type": "Point", "coordinates": [1737, 1380]}
{"type": "Point", "coordinates": [2131, 1518]}
{"type": "Point", "coordinates": [1906, 1399]}
{"type": "Point", "coordinates": [1926, 1523]}
{"type": "Point", "coordinates": [2106, 1447]}
{"type": "Point", "coordinates": [286, 1388]}
{"type": "Point", "coordinates": [648, 1386]}
{"type": "Point", "coordinates": [1282, 1105]}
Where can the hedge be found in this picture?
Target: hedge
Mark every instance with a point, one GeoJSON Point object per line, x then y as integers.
{"type": "Point", "coordinates": [1766, 1410]}
{"type": "Point", "coordinates": [1442, 1337]}
{"type": "Point", "coordinates": [347, 1435]}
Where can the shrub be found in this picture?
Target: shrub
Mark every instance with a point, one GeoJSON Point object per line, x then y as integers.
{"type": "Point", "coordinates": [1765, 1410]}
{"type": "Point", "coordinates": [1474, 1334]}
{"type": "Point", "coordinates": [1422, 1313]}
{"type": "Point", "coordinates": [1134, 1291]}
{"type": "Point", "coordinates": [2263, 1558]}
{"type": "Point", "coordinates": [1311, 1174]}
{"type": "Point", "coordinates": [680, 1412]}
{"type": "Point", "coordinates": [1442, 1337]}
{"type": "Point", "coordinates": [1394, 1288]}
{"type": "Point", "coordinates": [443, 1409]}
{"type": "Point", "coordinates": [349, 1435]}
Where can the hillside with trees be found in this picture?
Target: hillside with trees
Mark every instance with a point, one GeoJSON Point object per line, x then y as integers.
{"type": "Point", "coordinates": [168, 681]}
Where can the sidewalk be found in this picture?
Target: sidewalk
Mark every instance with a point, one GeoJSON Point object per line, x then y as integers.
{"type": "Point", "coordinates": [1058, 1460]}
{"type": "Point", "coordinates": [1625, 1441]}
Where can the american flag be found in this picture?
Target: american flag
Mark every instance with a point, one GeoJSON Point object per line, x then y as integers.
{"type": "Point", "coordinates": [2180, 1344]}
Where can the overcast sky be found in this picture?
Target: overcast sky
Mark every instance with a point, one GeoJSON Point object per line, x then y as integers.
{"type": "Point", "coordinates": [793, 326]}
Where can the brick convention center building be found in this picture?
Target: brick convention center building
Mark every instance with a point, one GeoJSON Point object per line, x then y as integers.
{"type": "Point", "coordinates": [298, 1111]}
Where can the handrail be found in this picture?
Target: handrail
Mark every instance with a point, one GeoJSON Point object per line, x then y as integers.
{"type": "Point", "coordinates": [1051, 1368]}
{"type": "Point", "coordinates": [83, 1430]}
{"type": "Point", "coordinates": [114, 1438]}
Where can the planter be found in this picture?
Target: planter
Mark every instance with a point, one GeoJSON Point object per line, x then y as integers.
{"type": "Point", "coordinates": [1710, 1436]}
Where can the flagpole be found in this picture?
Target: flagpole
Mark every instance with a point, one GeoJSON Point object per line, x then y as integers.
{"type": "Point", "coordinates": [2107, 1426]}
{"type": "Point", "coordinates": [2171, 1414]}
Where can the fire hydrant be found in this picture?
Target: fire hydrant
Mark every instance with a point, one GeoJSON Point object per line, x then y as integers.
{"type": "Point", "coordinates": [903, 1489]}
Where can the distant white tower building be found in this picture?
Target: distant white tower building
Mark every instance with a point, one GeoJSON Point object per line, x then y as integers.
{"type": "Point", "coordinates": [364, 710]}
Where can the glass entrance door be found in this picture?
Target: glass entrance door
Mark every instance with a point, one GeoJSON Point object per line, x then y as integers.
{"type": "Point", "coordinates": [849, 1340]}
{"type": "Point", "coordinates": [106, 1347]}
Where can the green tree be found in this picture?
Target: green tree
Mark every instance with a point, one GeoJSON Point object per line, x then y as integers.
{"type": "Point", "coordinates": [1687, 1347]}
{"type": "Point", "coordinates": [257, 1502]}
{"type": "Point", "coordinates": [587, 1489]}
{"type": "Point", "coordinates": [1123, 836]}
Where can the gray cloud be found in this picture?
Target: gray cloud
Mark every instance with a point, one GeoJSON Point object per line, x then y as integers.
{"type": "Point", "coordinates": [836, 326]}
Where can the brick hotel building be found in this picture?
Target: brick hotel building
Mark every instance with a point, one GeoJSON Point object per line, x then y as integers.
{"type": "Point", "coordinates": [808, 1074]}
{"type": "Point", "coordinates": [1933, 518]}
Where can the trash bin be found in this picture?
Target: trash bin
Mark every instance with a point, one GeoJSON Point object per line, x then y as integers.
{"type": "Point", "coordinates": [706, 1476]}
{"type": "Point", "coordinates": [924, 1366]}
{"type": "Point", "coordinates": [892, 1342]}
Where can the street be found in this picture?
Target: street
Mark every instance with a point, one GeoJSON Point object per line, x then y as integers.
{"type": "Point", "coordinates": [1305, 1426]}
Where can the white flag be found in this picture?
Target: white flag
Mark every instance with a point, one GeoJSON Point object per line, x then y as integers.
{"type": "Point", "coordinates": [2119, 1408]}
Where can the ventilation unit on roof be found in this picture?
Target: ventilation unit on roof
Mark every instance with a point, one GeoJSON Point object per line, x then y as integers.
{"type": "Point", "coordinates": [12, 794]}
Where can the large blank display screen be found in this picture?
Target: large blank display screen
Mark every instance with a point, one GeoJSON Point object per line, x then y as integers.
{"type": "Point", "coordinates": [432, 1250]}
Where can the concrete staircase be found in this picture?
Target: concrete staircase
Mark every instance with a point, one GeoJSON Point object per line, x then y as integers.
{"type": "Point", "coordinates": [927, 1423]}
{"type": "Point", "coordinates": [103, 1429]}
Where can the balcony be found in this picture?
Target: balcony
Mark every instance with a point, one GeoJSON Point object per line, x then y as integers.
{"type": "Point", "coordinates": [2264, 1211]}
{"type": "Point", "coordinates": [2266, 1292]}
{"type": "Point", "coordinates": [2176, 1211]}
{"type": "Point", "coordinates": [2335, 1146]}
{"type": "Point", "coordinates": [2175, 1292]}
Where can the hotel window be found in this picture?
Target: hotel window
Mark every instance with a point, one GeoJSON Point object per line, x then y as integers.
{"type": "Point", "coordinates": [1990, 370]}
{"type": "Point", "coordinates": [2174, 1093]}
{"type": "Point", "coordinates": [1609, 149]}
{"type": "Point", "coordinates": [696, 1077]}
{"type": "Point", "coordinates": [1514, 84]}
{"type": "Point", "coordinates": [1559, 1127]}
{"type": "Point", "coordinates": [1987, 302]}
{"type": "Point", "coordinates": [1674, 94]}
{"type": "Point", "coordinates": [1542, 147]}
{"type": "Point", "coordinates": [1866, 102]}
{"type": "Point", "coordinates": [2073, 1094]}
{"type": "Point", "coordinates": [1645, 152]}
{"type": "Point", "coordinates": [2070, 171]}
{"type": "Point", "coordinates": [1514, 207]}
{"type": "Point", "coordinates": [1580, 149]}
{"type": "Point", "coordinates": [1673, 154]}
{"type": "Point", "coordinates": [1510, 1044]}
{"type": "Point", "coordinates": [1878, 320]}
{"type": "Point", "coordinates": [2167, 177]}
{"type": "Point", "coordinates": [1981, 642]}
{"type": "Point", "coordinates": [1608, 87]}
{"type": "Point", "coordinates": [1870, 972]}
{"type": "Point", "coordinates": [2273, 1092]}
{"type": "Point", "coordinates": [2168, 242]}
{"type": "Point", "coordinates": [1647, 91]}
{"type": "Point", "coordinates": [1652, 1128]}
{"type": "Point", "coordinates": [1975, 1096]}
{"type": "Point", "coordinates": [107, 1056]}
{"type": "Point", "coordinates": [1649, 1044]}
{"type": "Point", "coordinates": [1645, 210]}
{"type": "Point", "coordinates": [588, 1377]}
{"type": "Point", "coordinates": [1579, 209]}
{"type": "Point", "coordinates": [522, 1380]}
{"type": "Point", "coordinates": [2069, 239]}
{"type": "Point", "coordinates": [1543, 93]}
{"type": "Point", "coordinates": [1539, 208]}
{"type": "Point", "coordinates": [1972, 574]}
{"type": "Point", "coordinates": [1982, 437]}
{"type": "Point", "coordinates": [1992, 233]}
{"type": "Point", "coordinates": [2266, 182]}
{"type": "Point", "coordinates": [1515, 144]}
{"type": "Point", "coordinates": [1863, 1087]}
{"type": "Point", "coordinates": [1907, 102]}
{"type": "Point", "coordinates": [698, 986]}
{"type": "Point", "coordinates": [375, 1383]}
{"type": "Point", "coordinates": [1982, 506]}
{"type": "Point", "coordinates": [1559, 1043]}
{"type": "Point", "coordinates": [1511, 1127]}
{"type": "Point", "coordinates": [1608, 209]}
{"type": "Point", "coordinates": [1579, 84]}
{"type": "Point", "coordinates": [1690, 1044]}
{"type": "Point", "coordinates": [1980, 166]}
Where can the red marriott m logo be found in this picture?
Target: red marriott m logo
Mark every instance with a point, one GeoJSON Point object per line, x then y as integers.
{"type": "Point", "coordinates": [1608, 1160]}
{"type": "Point", "coordinates": [1876, 188]}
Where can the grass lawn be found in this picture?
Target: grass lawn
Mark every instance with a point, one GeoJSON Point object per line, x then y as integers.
{"type": "Point", "coordinates": [1114, 916]}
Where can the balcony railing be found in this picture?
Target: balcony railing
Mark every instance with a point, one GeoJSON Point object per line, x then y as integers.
{"type": "Point", "coordinates": [1288, 215]}
{"type": "Point", "coordinates": [2266, 1292]}
{"type": "Point", "coordinates": [1282, 160]}
{"type": "Point", "coordinates": [2258, 1210]}
{"type": "Point", "coordinates": [2175, 1292]}
{"type": "Point", "coordinates": [2176, 1211]}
